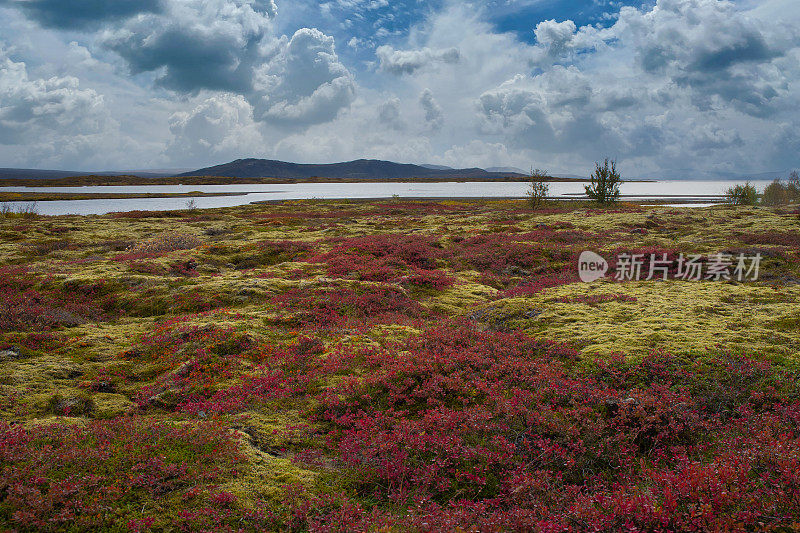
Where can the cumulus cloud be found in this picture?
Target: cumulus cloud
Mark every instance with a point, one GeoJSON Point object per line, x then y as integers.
{"type": "Point", "coordinates": [303, 83]}
{"type": "Point", "coordinates": [669, 84]}
{"type": "Point", "coordinates": [434, 116]}
{"type": "Point", "coordinates": [196, 44]}
{"type": "Point", "coordinates": [408, 61]}
{"type": "Point", "coordinates": [31, 108]}
{"type": "Point", "coordinates": [562, 40]}
{"type": "Point", "coordinates": [389, 114]}
{"type": "Point", "coordinates": [229, 46]}
{"type": "Point", "coordinates": [710, 47]}
{"type": "Point", "coordinates": [218, 128]}
{"type": "Point", "coordinates": [672, 84]}
{"type": "Point", "coordinates": [86, 14]}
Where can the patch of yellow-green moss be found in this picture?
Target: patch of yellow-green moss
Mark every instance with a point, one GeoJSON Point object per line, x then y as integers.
{"type": "Point", "coordinates": [674, 316]}
{"type": "Point", "coordinates": [266, 475]}
{"type": "Point", "coordinates": [462, 295]}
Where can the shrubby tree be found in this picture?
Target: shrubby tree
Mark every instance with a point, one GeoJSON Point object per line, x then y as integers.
{"type": "Point", "coordinates": [742, 195]}
{"type": "Point", "coordinates": [793, 187]}
{"type": "Point", "coordinates": [605, 183]}
{"type": "Point", "coordinates": [538, 189]}
{"type": "Point", "coordinates": [776, 193]}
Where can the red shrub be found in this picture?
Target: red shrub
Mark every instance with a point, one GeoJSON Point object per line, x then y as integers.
{"type": "Point", "coordinates": [777, 238]}
{"type": "Point", "coordinates": [388, 258]}
{"type": "Point", "coordinates": [109, 473]}
{"type": "Point", "coordinates": [28, 302]}
{"type": "Point", "coordinates": [337, 306]}
{"type": "Point", "coordinates": [492, 431]}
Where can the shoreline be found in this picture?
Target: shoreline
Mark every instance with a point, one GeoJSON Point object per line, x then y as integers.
{"type": "Point", "coordinates": [105, 181]}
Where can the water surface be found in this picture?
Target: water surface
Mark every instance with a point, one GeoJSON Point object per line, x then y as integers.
{"type": "Point", "coordinates": [683, 191]}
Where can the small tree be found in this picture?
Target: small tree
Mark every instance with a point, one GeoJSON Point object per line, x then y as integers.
{"type": "Point", "coordinates": [605, 183]}
{"type": "Point", "coordinates": [793, 187]}
{"type": "Point", "coordinates": [776, 193]}
{"type": "Point", "coordinates": [742, 195]}
{"type": "Point", "coordinates": [538, 189]}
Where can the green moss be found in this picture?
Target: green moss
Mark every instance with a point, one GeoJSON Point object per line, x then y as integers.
{"type": "Point", "coordinates": [266, 477]}
{"type": "Point", "coordinates": [674, 316]}
{"type": "Point", "coordinates": [463, 295]}
{"type": "Point", "coordinates": [108, 405]}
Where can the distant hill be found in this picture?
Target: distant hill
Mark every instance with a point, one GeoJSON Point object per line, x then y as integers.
{"type": "Point", "coordinates": [36, 174]}
{"type": "Point", "coordinates": [365, 169]}
{"type": "Point", "coordinates": [508, 169]}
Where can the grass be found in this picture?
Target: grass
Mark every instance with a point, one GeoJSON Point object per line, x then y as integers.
{"type": "Point", "coordinates": [399, 365]}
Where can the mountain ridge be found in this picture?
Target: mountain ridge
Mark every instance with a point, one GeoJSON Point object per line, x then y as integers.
{"type": "Point", "coordinates": [367, 169]}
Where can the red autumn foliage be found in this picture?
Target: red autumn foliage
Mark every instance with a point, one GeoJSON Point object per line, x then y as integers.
{"type": "Point", "coordinates": [338, 306]}
{"type": "Point", "coordinates": [493, 431]}
{"type": "Point", "coordinates": [28, 302]}
{"type": "Point", "coordinates": [109, 474]}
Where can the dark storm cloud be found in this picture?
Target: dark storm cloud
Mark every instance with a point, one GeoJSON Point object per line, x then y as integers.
{"type": "Point", "coordinates": [82, 14]}
{"type": "Point", "coordinates": [191, 62]}
{"type": "Point", "coordinates": [196, 44]}
{"type": "Point", "coordinates": [711, 49]}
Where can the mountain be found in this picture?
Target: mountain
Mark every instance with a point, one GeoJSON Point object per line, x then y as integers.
{"type": "Point", "coordinates": [35, 174]}
{"type": "Point", "coordinates": [437, 167]}
{"type": "Point", "coordinates": [364, 169]}
{"type": "Point", "coordinates": [507, 169]}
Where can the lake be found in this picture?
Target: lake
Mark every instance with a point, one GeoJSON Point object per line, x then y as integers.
{"type": "Point", "coordinates": [706, 192]}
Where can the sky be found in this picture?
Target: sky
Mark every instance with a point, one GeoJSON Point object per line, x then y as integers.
{"type": "Point", "coordinates": [669, 88]}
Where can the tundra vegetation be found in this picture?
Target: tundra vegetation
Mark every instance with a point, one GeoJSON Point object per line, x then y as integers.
{"type": "Point", "coordinates": [396, 366]}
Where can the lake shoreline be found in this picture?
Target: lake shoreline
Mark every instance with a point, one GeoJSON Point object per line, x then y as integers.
{"type": "Point", "coordinates": [103, 181]}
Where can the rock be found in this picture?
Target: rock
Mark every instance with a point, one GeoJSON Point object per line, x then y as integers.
{"type": "Point", "coordinates": [514, 270]}
{"type": "Point", "coordinates": [613, 405]}
{"type": "Point", "coordinates": [11, 353]}
{"type": "Point", "coordinates": [208, 269]}
{"type": "Point", "coordinates": [167, 400]}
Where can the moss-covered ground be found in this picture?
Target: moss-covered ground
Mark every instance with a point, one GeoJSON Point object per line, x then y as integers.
{"type": "Point", "coordinates": [198, 370]}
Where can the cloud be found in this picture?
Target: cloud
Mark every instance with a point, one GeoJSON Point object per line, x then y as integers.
{"type": "Point", "coordinates": [684, 82]}
{"type": "Point", "coordinates": [229, 46]}
{"type": "Point", "coordinates": [304, 82]}
{"type": "Point", "coordinates": [400, 62]}
{"type": "Point", "coordinates": [722, 55]}
{"type": "Point", "coordinates": [434, 117]}
{"type": "Point", "coordinates": [563, 40]}
{"type": "Point", "coordinates": [389, 114]}
{"type": "Point", "coordinates": [32, 108]}
{"type": "Point", "coordinates": [217, 129]}
{"type": "Point", "coordinates": [86, 14]}
{"type": "Point", "coordinates": [196, 44]}
{"type": "Point", "coordinates": [708, 84]}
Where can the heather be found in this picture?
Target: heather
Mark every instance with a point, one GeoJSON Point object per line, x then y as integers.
{"type": "Point", "coordinates": [398, 366]}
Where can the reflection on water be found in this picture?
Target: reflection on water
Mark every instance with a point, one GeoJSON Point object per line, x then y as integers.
{"type": "Point", "coordinates": [686, 191]}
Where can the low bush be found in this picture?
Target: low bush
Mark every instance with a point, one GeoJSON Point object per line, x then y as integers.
{"type": "Point", "coordinates": [338, 306]}
{"type": "Point", "coordinates": [742, 195]}
{"type": "Point", "coordinates": [492, 431]}
{"type": "Point", "coordinates": [114, 475]}
{"type": "Point", "coordinates": [776, 193]}
{"type": "Point", "coordinates": [163, 244]}
{"type": "Point", "coordinates": [28, 302]}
